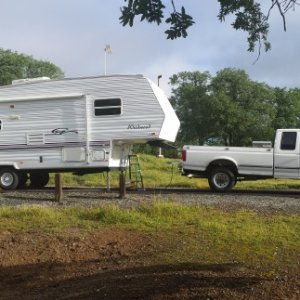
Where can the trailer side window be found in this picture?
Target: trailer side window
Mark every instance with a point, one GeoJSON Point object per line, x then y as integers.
{"type": "Point", "coordinates": [108, 107]}
{"type": "Point", "coordinates": [288, 140]}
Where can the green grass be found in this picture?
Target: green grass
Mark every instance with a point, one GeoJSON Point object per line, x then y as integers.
{"type": "Point", "coordinates": [273, 184]}
{"type": "Point", "coordinates": [185, 233]}
{"type": "Point", "coordinates": [164, 172]}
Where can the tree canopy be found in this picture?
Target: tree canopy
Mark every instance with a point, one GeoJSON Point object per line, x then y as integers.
{"type": "Point", "coordinates": [16, 66]}
{"type": "Point", "coordinates": [230, 108]}
{"type": "Point", "coordinates": [248, 17]}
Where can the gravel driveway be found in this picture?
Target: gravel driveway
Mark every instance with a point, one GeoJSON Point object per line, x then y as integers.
{"type": "Point", "coordinates": [91, 198]}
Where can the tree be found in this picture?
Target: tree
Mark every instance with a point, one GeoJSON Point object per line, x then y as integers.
{"type": "Point", "coordinates": [16, 66]}
{"type": "Point", "coordinates": [248, 17]}
{"type": "Point", "coordinates": [287, 104]}
{"type": "Point", "coordinates": [190, 99]}
{"type": "Point", "coordinates": [228, 109]}
{"type": "Point", "coordinates": [245, 111]}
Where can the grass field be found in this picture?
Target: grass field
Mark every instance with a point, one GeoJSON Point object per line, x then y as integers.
{"type": "Point", "coordinates": [186, 233]}
{"type": "Point", "coordinates": [165, 172]}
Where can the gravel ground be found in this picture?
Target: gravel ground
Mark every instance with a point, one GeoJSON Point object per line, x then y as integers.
{"type": "Point", "coordinates": [261, 203]}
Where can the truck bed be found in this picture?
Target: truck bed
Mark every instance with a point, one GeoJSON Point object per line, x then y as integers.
{"type": "Point", "coordinates": [249, 160]}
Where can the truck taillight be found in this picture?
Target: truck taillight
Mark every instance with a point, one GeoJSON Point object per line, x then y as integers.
{"type": "Point", "coordinates": [183, 155]}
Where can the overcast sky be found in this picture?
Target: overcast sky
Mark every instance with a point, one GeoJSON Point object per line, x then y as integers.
{"type": "Point", "coordinates": [73, 33]}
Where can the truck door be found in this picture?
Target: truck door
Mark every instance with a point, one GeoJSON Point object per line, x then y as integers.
{"type": "Point", "coordinates": [286, 155]}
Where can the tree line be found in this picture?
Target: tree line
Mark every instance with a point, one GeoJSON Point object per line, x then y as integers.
{"type": "Point", "coordinates": [14, 65]}
{"type": "Point", "coordinates": [230, 108]}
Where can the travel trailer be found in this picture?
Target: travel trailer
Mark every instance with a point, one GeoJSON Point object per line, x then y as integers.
{"type": "Point", "coordinates": [80, 125]}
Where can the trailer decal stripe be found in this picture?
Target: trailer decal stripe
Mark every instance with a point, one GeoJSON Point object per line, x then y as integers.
{"type": "Point", "coordinates": [55, 145]}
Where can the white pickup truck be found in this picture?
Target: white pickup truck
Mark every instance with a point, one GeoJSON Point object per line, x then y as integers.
{"type": "Point", "coordinates": [224, 166]}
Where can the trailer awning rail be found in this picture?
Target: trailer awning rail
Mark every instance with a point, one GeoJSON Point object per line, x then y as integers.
{"type": "Point", "coordinates": [42, 97]}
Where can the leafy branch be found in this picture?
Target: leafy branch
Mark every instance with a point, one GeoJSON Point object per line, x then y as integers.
{"type": "Point", "coordinates": [248, 17]}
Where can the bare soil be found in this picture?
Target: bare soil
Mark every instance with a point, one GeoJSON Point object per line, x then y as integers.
{"type": "Point", "coordinates": [119, 264]}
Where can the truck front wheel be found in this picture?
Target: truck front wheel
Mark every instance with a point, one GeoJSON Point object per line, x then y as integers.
{"type": "Point", "coordinates": [221, 180]}
{"type": "Point", "coordinates": [9, 179]}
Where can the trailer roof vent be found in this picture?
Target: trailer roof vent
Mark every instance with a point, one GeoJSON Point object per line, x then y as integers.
{"type": "Point", "coordinates": [29, 80]}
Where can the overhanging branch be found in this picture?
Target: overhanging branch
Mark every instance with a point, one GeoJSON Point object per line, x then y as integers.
{"type": "Point", "coordinates": [283, 7]}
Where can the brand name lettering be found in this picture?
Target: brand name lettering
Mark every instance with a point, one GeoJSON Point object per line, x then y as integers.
{"type": "Point", "coordinates": [139, 126]}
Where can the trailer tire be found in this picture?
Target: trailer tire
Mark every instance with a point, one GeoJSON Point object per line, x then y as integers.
{"type": "Point", "coordinates": [38, 180]}
{"type": "Point", "coordinates": [221, 180]}
{"type": "Point", "coordinates": [9, 178]}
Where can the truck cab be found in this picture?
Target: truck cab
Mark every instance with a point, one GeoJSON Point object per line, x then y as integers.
{"type": "Point", "coordinates": [287, 154]}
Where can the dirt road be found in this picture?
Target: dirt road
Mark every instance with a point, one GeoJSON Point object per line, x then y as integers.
{"type": "Point", "coordinates": [118, 264]}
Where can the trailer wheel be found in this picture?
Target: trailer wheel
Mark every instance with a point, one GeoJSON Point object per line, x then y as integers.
{"type": "Point", "coordinates": [9, 179]}
{"type": "Point", "coordinates": [38, 180]}
{"type": "Point", "coordinates": [221, 180]}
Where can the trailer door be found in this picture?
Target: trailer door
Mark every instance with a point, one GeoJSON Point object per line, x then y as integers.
{"type": "Point", "coordinates": [80, 152]}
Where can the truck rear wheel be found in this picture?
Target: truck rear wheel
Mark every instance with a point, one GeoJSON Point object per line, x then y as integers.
{"type": "Point", "coordinates": [221, 180]}
{"type": "Point", "coordinates": [9, 179]}
{"type": "Point", "coordinates": [38, 180]}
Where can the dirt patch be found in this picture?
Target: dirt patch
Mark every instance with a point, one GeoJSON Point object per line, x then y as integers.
{"type": "Point", "coordinates": [119, 264]}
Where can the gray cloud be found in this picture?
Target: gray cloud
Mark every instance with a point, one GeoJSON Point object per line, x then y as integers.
{"type": "Point", "coordinates": [73, 34]}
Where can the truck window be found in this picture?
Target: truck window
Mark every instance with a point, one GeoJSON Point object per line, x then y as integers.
{"type": "Point", "coordinates": [107, 107]}
{"type": "Point", "coordinates": [0, 125]}
{"type": "Point", "coordinates": [288, 141]}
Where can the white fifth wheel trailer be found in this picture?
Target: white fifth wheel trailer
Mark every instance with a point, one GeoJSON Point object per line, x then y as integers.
{"type": "Point", "coordinates": [80, 125]}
